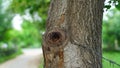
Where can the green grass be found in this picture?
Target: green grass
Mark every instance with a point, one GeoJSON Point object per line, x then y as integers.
{"type": "Point", "coordinates": [5, 58]}
{"type": "Point", "coordinates": [112, 55]}
{"type": "Point", "coordinates": [41, 63]}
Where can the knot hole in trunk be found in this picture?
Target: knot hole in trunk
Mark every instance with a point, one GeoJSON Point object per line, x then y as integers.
{"type": "Point", "coordinates": [55, 36]}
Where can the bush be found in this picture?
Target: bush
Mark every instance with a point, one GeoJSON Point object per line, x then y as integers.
{"type": "Point", "coordinates": [7, 52]}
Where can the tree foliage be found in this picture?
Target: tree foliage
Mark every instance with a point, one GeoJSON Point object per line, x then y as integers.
{"type": "Point", "coordinates": [6, 51]}
{"type": "Point", "coordinates": [110, 3]}
{"type": "Point", "coordinates": [111, 28]}
{"type": "Point", "coordinates": [5, 22]}
{"type": "Point", "coordinates": [33, 6]}
{"type": "Point", "coordinates": [29, 36]}
{"type": "Point", "coordinates": [40, 6]}
{"type": "Point", "coordinates": [33, 30]}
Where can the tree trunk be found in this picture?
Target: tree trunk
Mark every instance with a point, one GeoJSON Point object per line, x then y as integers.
{"type": "Point", "coordinates": [116, 45]}
{"type": "Point", "coordinates": [73, 34]}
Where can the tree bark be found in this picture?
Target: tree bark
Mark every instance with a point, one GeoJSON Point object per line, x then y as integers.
{"type": "Point", "coordinates": [73, 34]}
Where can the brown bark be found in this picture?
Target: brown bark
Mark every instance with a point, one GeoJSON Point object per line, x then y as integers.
{"type": "Point", "coordinates": [73, 34]}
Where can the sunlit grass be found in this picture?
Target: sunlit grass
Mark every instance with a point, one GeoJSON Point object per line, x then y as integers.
{"type": "Point", "coordinates": [112, 55]}
{"type": "Point", "coordinates": [41, 63]}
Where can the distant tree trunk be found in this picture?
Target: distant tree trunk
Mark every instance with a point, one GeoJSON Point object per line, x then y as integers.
{"type": "Point", "coordinates": [73, 34]}
{"type": "Point", "coordinates": [116, 45]}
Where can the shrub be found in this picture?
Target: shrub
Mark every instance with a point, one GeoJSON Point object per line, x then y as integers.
{"type": "Point", "coordinates": [8, 52]}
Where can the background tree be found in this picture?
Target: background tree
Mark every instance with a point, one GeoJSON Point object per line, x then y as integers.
{"type": "Point", "coordinates": [111, 31]}
{"type": "Point", "coordinates": [6, 51]}
{"type": "Point", "coordinates": [33, 6]}
{"type": "Point", "coordinates": [110, 3]}
{"type": "Point", "coordinates": [27, 37]}
{"type": "Point", "coordinates": [39, 8]}
{"type": "Point", "coordinates": [5, 23]}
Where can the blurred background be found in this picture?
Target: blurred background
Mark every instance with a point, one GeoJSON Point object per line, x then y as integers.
{"type": "Point", "coordinates": [22, 24]}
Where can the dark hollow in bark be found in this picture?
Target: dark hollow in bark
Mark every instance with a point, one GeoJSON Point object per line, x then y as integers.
{"type": "Point", "coordinates": [54, 37]}
{"type": "Point", "coordinates": [55, 41]}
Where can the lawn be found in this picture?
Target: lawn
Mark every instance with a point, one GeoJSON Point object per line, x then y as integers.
{"type": "Point", "coordinates": [112, 55]}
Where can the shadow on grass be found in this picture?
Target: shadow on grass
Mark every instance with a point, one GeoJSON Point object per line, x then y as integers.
{"type": "Point", "coordinates": [113, 55]}
{"type": "Point", "coordinates": [110, 50]}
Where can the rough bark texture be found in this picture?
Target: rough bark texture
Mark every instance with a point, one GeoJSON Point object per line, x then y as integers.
{"type": "Point", "coordinates": [73, 34]}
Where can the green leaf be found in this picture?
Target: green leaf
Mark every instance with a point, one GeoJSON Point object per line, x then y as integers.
{"type": "Point", "coordinates": [118, 6]}
{"type": "Point", "coordinates": [107, 6]}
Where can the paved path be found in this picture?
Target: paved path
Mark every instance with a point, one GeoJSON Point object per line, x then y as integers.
{"type": "Point", "coordinates": [30, 59]}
